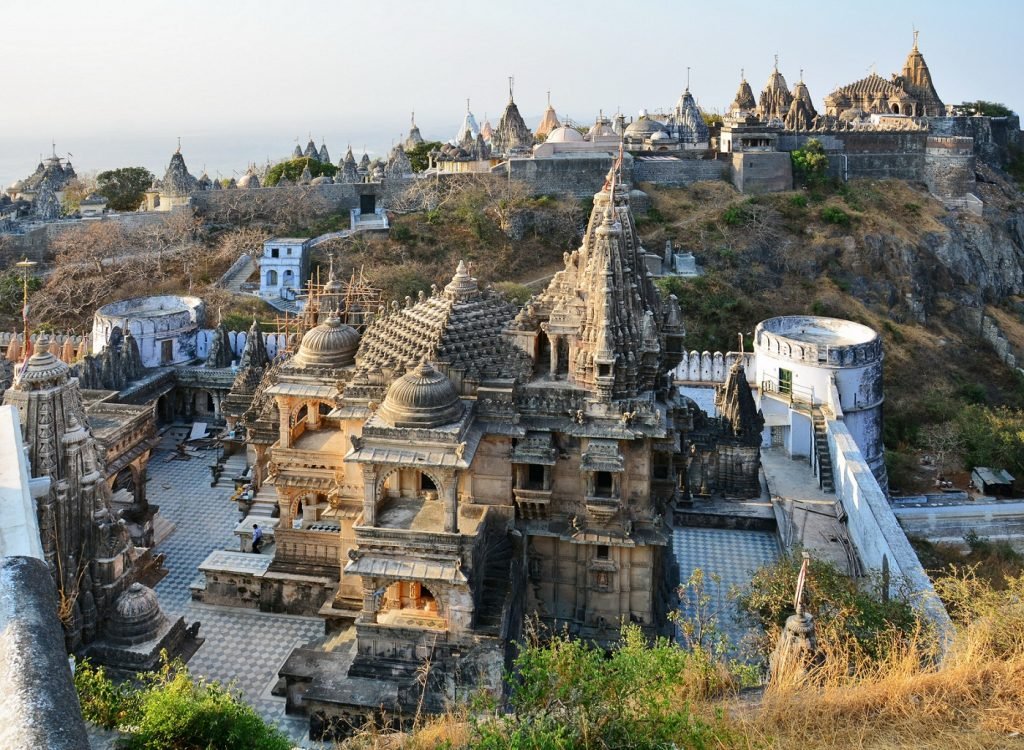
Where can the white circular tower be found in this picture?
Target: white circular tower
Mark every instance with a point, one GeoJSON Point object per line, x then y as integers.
{"type": "Point", "coordinates": [803, 357]}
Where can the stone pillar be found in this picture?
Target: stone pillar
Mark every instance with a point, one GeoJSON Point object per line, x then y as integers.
{"type": "Point", "coordinates": [368, 613]}
{"type": "Point", "coordinates": [553, 341]}
{"type": "Point", "coordinates": [285, 427]}
{"type": "Point", "coordinates": [451, 504]}
{"type": "Point", "coordinates": [369, 495]}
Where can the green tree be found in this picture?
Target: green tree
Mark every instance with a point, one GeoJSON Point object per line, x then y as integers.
{"type": "Point", "coordinates": [124, 187]}
{"type": "Point", "coordinates": [11, 291]}
{"type": "Point", "coordinates": [810, 165]}
{"type": "Point", "coordinates": [419, 157]}
{"type": "Point", "coordinates": [986, 109]}
{"type": "Point", "coordinates": [293, 170]}
{"type": "Point", "coordinates": [711, 119]}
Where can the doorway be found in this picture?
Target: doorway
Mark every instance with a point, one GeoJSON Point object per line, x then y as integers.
{"type": "Point", "coordinates": [367, 204]}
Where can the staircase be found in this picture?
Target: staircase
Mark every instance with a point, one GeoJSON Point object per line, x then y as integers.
{"type": "Point", "coordinates": [822, 453]}
{"type": "Point", "coordinates": [232, 467]}
{"type": "Point", "coordinates": [265, 503]}
{"type": "Point", "coordinates": [497, 578]}
{"type": "Point", "coordinates": [238, 274]}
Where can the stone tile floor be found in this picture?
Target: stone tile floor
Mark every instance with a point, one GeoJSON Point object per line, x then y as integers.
{"type": "Point", "coordinates": [731, 555]}
{"type": "Point", "coordinates": [243, 647]}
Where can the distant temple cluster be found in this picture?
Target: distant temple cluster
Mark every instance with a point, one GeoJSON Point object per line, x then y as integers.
{"type": "Point", "coordinates": [857, 124]}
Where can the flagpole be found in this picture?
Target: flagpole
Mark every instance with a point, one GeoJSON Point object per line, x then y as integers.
{"type": "Point", "coordinates": [25, 265]}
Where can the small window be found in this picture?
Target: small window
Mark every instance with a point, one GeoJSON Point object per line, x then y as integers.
{"type": "Point", "coordinates": [275, 253]}
{"type": "Point", "coordinates": [603, 484]}
{"type": "Point", "coordinates": [289, 251]}
{"type": "Point", "coordinates": [602, 552]}
{"type": "Point", "coordinates": [604, 370]}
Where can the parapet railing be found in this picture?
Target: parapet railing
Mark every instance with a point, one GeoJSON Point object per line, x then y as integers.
{"type": "Point", "coordinates": [795, 394]}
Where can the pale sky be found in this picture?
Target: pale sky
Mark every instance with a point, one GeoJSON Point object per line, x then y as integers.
{"type": "Point", "coordinates": [115, 82]}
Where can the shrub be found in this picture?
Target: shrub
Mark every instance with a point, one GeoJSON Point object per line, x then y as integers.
{"type": "Point", "coordinates": [835, 215]}
{"type": "Point", "coordinates": [734, 215]}
{"type": "Point", "coordinates": [171, 711]}
{"type": "Point", "coordinates": [798, 201]}
{"type": "Point", "coordinates": [518, 294]}
{"type": "Point", "coordinates": [293, 170]}
{"type": "Point", "coordinates": [567, 694]}
{"type": "Point", "coordinates": [858, 619]}
{"type": "Point", "coordinates": [810, 164]}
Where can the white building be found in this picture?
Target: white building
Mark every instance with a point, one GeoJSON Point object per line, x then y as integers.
{"type": "Point", "coordinates": [165, 327]}
{"type": "Point", "coordinates": [284, 266]}
{"type": "Point", "coordinates": [803, 363]}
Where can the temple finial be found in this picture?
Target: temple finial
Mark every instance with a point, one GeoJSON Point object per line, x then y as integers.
{"type": "Point", "coordinates": [511, 86]}
{"type": "Point", "coordinates": [687, 77]}
{"type": "Point", "coordinates": [916, 32]}
{"type": "Point", "coordinates": [776, 61]}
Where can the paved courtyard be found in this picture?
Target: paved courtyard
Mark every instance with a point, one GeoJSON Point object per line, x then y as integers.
{"type": "Point", "coordinates": [243, 647]}
{"type": "Point", "coordinates": [731, 555]}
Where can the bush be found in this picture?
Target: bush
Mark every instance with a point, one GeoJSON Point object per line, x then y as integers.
{"type": "Point", "coordinates": [734, 215]}
{"type": "Point", "coordinates": [293, 170]}
{"type": "Point", "coordinates": [855, 618]}
{"type": "Point", "coordinates": [171, 711]}
{"type": "Point", "coordinates": [517, 294]}
{"type": "Point", "coordinates": [835, 215]}
{"type": "Point", "coordinates": [798, 201]}
{"type": "Point", "coordinates": [810, 165]}
{"type": "Point", "coordinates": [567, 694]}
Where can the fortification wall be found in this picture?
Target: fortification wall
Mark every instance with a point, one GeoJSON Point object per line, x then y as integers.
{"type": "Point", "coordinates": [679, 172]}
{"type": "Point", "coordinates": [949, 164]}
{"type": "Point", "coordinates": [579, 175]}
{"type": "Point", "coordinates": [872, 525]}
{"type": "Point", "coordinates": [993, 136]}
{"type": "Point", "coordinates": [318, 200]}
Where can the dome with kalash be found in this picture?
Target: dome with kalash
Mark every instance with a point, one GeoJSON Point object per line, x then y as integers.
{"type": "Point", "coordinates": [329, 345]}
{"type": "Point", "coordinates": [43, 369]}
{"type": "Point", "coordinates": [423, 398]}
{"type": "Point", "coordinates": [136, 617]}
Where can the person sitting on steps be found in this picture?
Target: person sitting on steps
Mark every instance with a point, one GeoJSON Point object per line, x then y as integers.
{"type": "Point", "coordinates": [257, 538]}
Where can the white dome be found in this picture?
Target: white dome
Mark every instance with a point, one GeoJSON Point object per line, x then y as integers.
{"type": "Point", "coordinates": [661, 135]}
{"type": "Point", "coordinates": [564, 134]}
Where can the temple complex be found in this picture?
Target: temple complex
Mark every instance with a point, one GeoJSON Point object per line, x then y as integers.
{"type": "Point", "coordinates": [909, 93]}
{"type": "Point", "coordinates": [105, 609]}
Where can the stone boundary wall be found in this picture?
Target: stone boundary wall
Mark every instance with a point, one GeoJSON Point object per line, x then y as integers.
{"type": "Point", "coordinates": [679, 172]}
{"type": "Point", "coordinates": [34, 242]}
{"type": "Point", "coordinates": [949, 164]}
{"type": "Point", "coordinates": [275, 342]}
{"type": "Point", "coordinates": [950, 523]}
{"type": "Point", "coordinates": [339, 197]}
{"type": "Point", "coordinates": [580, 176]}
{"type": "Point", "coordinates": [993, 136]}
{"type": "Point", "coordinates": [705, 367]}
{"type": "Point", "coordinates": [874, 530]}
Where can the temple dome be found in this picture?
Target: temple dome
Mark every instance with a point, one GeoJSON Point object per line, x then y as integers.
{"type": "Point", "coordinates": [643, 127]}
{"type": "Point", "coordinates": [564, 134]}
{"type": "Point", "coordinates": [43, 369]}
{"type": "Point", "coordinates": [329, 345]}
{"type": "Point", "coordinates": [136, 617]}
{"type": "Point", "coordinates": [423, 398]}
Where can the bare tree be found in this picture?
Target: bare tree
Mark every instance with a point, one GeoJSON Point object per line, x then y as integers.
{"type": "Point", "coordinates": [943, 442]}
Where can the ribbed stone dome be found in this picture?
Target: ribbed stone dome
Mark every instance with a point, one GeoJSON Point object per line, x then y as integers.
{"type": "Point", "coordinates": [329, 345]}
{"type": "Point", "coordinates": [643, 126]}
{"type": "Point", "coordinates": [136, 617]}
{"type": "Point", "coordinates": [43, 369]}
{"type": "Point", "coordinates": [423, 397]}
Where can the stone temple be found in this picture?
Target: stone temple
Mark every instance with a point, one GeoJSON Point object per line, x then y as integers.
{"type": "Point", "coordinates": [106, 610]}
{"type": "Point", "coordinates": [464, 464]}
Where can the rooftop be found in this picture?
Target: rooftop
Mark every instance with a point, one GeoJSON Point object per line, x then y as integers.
{"type": "Point", "coordinates": [812, 329]}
